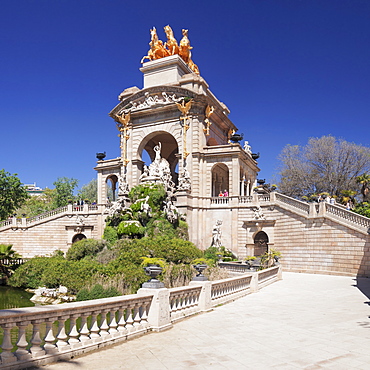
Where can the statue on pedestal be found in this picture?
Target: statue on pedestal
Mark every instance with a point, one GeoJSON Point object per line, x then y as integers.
{"type": "Point", "coordinates": [216, 234]}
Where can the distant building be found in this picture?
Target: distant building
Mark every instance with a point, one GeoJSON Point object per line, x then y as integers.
{"type": "Point", "coordinates": [33, 190]}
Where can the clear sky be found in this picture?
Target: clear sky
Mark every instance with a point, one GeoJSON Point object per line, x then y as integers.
{"type": "Point", "coordinates": [287, 69]}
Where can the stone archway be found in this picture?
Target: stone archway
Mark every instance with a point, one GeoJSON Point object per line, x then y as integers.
{"type": "Point", "coordinates": [169, 150]}
{"type": "Point", "coordinates": [112, 187]}
{"type": "Point", "coordinates": [261, 241]}
{"type": "Point", "coordinates": [78, 237]}
{"type": "Point", "coordinates": [220, 179]}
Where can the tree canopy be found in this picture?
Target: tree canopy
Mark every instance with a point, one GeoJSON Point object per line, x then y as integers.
{"type": "Point", "coordinates": [12, 194]}
{"type": "Point", "coordinates": [325, 164]}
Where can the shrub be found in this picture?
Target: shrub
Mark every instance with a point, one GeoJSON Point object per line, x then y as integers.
{"type": "Point", "coordinates": [110, 235]}
{"type": "Point", "coordinates": [85, 248]}
{"type": "Point", "coordinates": [132, 229]}
{"type": "Point", "coordinates": [96, 292]}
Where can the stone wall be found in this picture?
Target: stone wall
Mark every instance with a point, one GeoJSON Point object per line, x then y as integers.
{"type": "Point", "coordinates": [50, 234]}
{"type": "Point", "coordinates": [320, 245]}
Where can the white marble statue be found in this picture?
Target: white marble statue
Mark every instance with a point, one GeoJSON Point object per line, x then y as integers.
{"type": "Point", "coordinates": [216, 234]}
{"type": "Point", "coordinates": [247, 148]}
{"type": "Point", "coordinates": [184, 180]}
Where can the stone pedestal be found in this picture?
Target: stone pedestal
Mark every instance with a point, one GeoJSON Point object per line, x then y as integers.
{"type": "Point", "coordinates": [164, 71]}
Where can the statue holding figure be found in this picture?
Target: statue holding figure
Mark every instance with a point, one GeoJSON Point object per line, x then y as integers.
{"type": "Point", "coordinates": [184, 180]}
{"type": "Point", "coordinates": [216, 234]}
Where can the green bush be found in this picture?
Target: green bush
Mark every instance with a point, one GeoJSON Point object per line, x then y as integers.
{"type": "Point", "coordinates": [54, 271]}
{"type": "Point", "coordinates": [85, 248]}
{"type": "Point", "coordinates": [96, 292]}
{"type": "Point", "coordinates": [110, 235]}
{"type": "Point", "coordinates": [130, 229]}
{"type": "Point", "coordinates": [363, 209]}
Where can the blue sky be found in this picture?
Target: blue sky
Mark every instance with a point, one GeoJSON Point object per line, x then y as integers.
{"type": "Point", "coordinates": [287, 69]}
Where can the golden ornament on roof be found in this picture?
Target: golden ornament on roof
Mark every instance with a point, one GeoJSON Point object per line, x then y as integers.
{"type": "Point", "coordinates": [159, 50]}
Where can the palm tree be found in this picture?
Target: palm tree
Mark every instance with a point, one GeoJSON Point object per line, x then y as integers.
{"type": "Point", "coordinates": [7, 254]}
{"type": "Point", "coordinates": [364, 180]}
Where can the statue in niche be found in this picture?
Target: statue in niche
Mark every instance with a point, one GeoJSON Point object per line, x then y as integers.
{"type": "Point", "coordinates": [216, 234]}
{"type": "Point", "coordinates": [184, 180]}
{"type": "Point", "coordinates": [258, 214]}
{"type": "Point", "coordinates": [158, 171]}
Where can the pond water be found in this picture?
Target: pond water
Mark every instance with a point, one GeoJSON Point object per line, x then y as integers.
{"type": "Point", "coordinates": [14, 298]}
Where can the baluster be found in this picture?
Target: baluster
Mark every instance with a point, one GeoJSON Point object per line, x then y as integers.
{"type": "Point", "coordinates": [104, 325]}
{"type": "Point", "coordinates": [144, 316]}
{"type": "Point", "coordinates": [62, 342]}
{"type": "Point", "coordinates": [113, 323]}
{"type": "Point", "coordinates": [7, 356]}
{"type": "Point", "coordinates": [73, 333]}
{"type": "Point", "coordinates": [84, 332]}
{"type": "Point", "coordinates": [122, 322]}
{"type": "Point", "coordinates": [129, 321]}
{"type": "Point", "coordinates": [94, 330]}
{"type": "Point", "coordinates": [49, 339]}
{"type": "Point", "coordinates": [36, 349]}
{"type": "Point", "coordinates": [137, 318]}
{"type": "Point", "coordinates": [22, 353]}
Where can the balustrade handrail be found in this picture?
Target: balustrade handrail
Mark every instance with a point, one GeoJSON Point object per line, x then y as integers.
{"type": "Point", "coordinates": [298, 204]}
{"type": "Point", "coordinates": [347, 215]}
{"type": "Point", "coordinates": [9, 316]}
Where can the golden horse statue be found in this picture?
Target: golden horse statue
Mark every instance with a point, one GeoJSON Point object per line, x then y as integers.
{"type": "Point", "coordinates": [170, 47]}
{"type": "Point", "coordinates": [157, 49]}
{"type": "Point", "coordinates": [171, 43]}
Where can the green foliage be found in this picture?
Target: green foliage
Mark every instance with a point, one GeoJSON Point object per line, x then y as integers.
{"type": "Point", "coordinates": [156, 192]}
{"type": "Point", "coordinates": [363, 209]}
{"type": "Point", "coordinates": [132, 229]}
{"type": "Point", "coordinates": [64, 187]}
{"type": "Point", "coordinates": [147, 261]}
{"type": "Point", "coordinates": [89, 191]}
{"type": "Point", "coordinates": [54, 271]}
{"type": "Point", "coordinates": [269, 258]}
{"type": "Point", "coordinates": [85, 248]}
{"type": "Point", "coordinates": [110, 235]}
{"type": "Point", "coordinates": [12, 194]}
{"type": "Point", "coordinates": [8, 253]}
{"type": "Point", "coordinates": [212, 253]}
{"type": "Point", "coordinates": [96, 292]}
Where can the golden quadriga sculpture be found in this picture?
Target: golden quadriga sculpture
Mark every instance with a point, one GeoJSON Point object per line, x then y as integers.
{"type": "Point", "coordinates": [159, 50]}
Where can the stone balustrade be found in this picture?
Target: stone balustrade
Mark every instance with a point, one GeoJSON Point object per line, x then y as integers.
{"type": "Point", "coordinates": [38, 335]}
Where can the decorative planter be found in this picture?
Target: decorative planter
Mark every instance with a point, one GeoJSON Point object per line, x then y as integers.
{"type": "Point", "coordinates": [200, 268]}
{"type": "Point", "coordinates": [100, 156]}
{"type": "Point", "coordinates": [255, 155]}
{"type": "Point", "coordinates": [153, 271]}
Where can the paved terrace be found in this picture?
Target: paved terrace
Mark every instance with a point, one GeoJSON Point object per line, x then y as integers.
{"type": "Point", "coordinates": [301, 322]}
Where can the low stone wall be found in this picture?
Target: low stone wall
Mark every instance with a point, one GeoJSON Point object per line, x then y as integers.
{"type": "Point", "coordinates": [122, 318]}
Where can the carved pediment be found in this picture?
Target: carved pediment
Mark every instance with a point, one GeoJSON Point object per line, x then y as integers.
{"type": "Point", "coordinates": [153, 97]}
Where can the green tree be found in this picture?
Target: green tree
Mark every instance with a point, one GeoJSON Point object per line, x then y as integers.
{"type": "Point", "coordinates": [12, 194]}
{"type": "Point", "coordinates": [364, 180]}
{"type": "Point", "coordinates": [7, 253]}
{"type": "Point", "coordinates": [64, 187]}
{"type": "Point", "coordinates": [89, 191]}
{"type": "Point", "coordinates": [325, 164]}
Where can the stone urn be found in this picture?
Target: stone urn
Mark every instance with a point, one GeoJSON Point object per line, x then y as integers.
{"type": "Point", "coordinates": [100, 156]}
{"type": "Point", "coordinates": [200, 268]}
{"type": "Point", "coordinates": [153, 271]}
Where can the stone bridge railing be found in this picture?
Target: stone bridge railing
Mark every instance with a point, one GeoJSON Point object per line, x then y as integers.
{"type": "Point", "coordinates": [38, 335]}
{"type": "Point", "coordinates": [24, 222]}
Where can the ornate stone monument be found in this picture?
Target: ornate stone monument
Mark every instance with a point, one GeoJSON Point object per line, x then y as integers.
{"type": "Point", "coordinates": [185, 131]}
